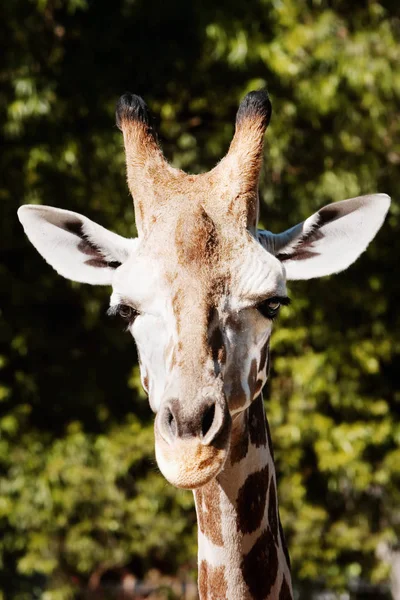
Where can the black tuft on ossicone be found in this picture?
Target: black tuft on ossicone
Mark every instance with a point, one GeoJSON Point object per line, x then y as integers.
{"type": "Point", "coordinates": [256, 105]}
{"type": "Point", "coordinates": [131, 108]}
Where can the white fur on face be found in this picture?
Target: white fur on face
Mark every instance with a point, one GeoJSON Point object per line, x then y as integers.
{"type": "Point", "coordinates": [139, 284]}
{"type": "Point", "coordinates": [257, 275]}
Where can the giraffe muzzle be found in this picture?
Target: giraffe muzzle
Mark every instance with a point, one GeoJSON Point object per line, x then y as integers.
{"type": "Point", "coordinates": [191, 448]}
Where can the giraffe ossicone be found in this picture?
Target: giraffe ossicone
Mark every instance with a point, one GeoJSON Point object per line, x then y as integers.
{"type": "Point", "coordinates": [199, 288]}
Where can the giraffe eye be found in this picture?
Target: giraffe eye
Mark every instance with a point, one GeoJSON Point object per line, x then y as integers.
{"type": "Point", "coordinates": [126, 312]}
{"type": "Point", "coordinates": [269, 308]}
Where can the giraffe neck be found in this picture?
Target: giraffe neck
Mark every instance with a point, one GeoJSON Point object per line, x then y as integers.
{"type": "Point", "coordinates": [242, 552]}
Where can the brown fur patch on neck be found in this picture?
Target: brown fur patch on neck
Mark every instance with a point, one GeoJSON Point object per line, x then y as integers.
{"type": "Point", "coordinates": [209, 511]}
{"type": "Point", "coordinates": [273, 511]}
{"type": "Point", "coordinates": [251, 501]}
{"type": "Point", "coordinates": [212, 582]}
{"type": "Point", "coordinates": [260, 580]}
{"type": "Point", "coordinates": [285, 593]}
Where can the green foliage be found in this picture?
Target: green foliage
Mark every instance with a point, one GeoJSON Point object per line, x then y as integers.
{"type": "Point", "coordinates": [79, 491]}
{"type": "Point", "coordinates": [90, 502]}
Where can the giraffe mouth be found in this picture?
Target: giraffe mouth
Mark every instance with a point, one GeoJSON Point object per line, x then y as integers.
{"type": "Point", "coordinates": [188, 463]}
{"type": "Point", "coordinates": [191, 458]}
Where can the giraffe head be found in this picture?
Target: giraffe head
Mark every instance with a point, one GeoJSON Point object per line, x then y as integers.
{"type": "Point", "coordinates": [199, 287]}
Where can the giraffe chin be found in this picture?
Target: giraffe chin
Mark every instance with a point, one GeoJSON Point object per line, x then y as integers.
{"type": "Point", "coordinates": [189, 464]}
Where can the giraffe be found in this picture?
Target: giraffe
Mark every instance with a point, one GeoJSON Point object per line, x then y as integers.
{"type": "Point", "coordinates": [198, 289]}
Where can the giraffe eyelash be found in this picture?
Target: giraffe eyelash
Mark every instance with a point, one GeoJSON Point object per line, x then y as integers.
{"type": "Point", "coordinates": [126, 312]}
{"type": "Point", "coordinates": [270, 308]}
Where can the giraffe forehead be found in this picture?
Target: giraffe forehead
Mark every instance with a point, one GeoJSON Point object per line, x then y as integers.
{"type": "Point", "coordinates": [195, 258]}
{"type": "Point", "coordinates": [202, 243]}
{"type": "Point", "coordinates": [198, 226]}
{"type": "Point", "coordinates": [198, 245]}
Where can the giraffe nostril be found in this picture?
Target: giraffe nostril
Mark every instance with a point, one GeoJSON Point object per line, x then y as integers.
{"type": "Point", "coordinates": [204, 424]}
{"type": "Point", "coordinates": [168, 424]}
{"type": "Point", "coordinates": [207, 420]}
{"type": "Point", "coordinates": [215, 418]}
{"type": "Point", "coordinates": [171, 422]}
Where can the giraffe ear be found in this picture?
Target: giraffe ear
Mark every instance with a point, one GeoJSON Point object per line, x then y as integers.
{"type": "Point", "coordinates": [331, 239]}
{"type": "Point", "coordinates": [76, 247]}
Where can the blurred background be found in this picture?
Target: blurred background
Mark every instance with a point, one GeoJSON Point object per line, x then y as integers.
{"type": "Point", "coordinates": [84, 512]}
